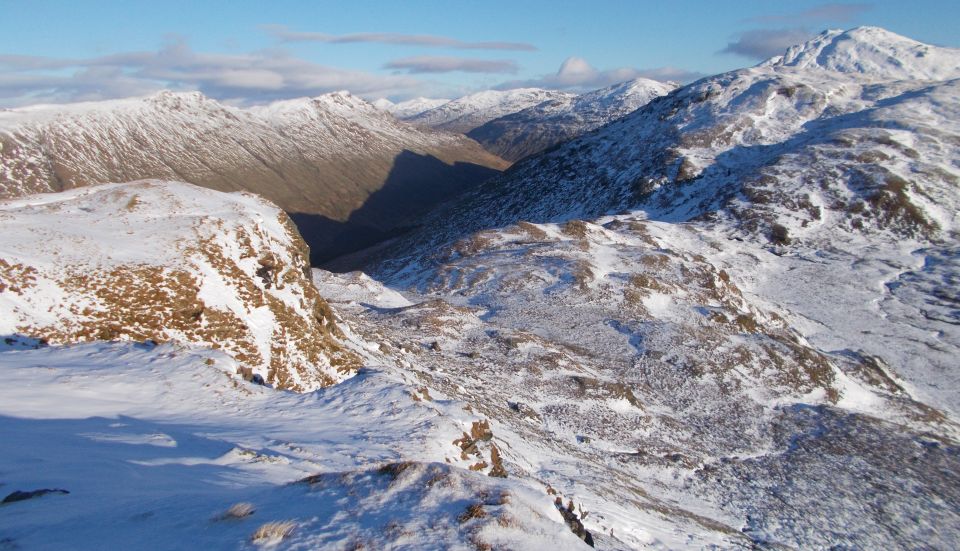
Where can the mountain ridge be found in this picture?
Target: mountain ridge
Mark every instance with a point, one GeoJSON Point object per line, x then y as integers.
{"type": "Point", "coordinates": [797, 161]}
{"type": "Point", "coordinates": [468, 112]}
{"type": "Point", "coordinates": [542, 126]}
{"type": "Point", "coordinates": [321, 157]}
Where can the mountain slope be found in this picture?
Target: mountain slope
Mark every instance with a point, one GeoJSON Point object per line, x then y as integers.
{"type": "Point", "coordinates": [321, 158]}
{"type": "Point", "coordinates": [542, 126]}
{"type": "Point", "coordinates": [800, 160]}
{"type": "Point", "coordinates": [464, 114]}
{"type": "Point", "coordinates": [631, 366]}
{"type": "Point", "coordinates": [746, 146]}
{"type": "Point", "coordinates": [734, 303]}
{"type": "Point", "coordinates": [164, 261]}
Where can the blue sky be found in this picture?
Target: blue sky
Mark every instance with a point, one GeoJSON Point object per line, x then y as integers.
{"type": "Point", "coordinates": [250, 52]}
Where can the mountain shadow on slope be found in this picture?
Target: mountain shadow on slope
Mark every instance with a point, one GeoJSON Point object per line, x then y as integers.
{"type": "Point", "coordinates": [415, 185]}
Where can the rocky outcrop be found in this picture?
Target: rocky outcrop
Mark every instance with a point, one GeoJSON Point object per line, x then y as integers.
{"type": "Point", "coordinates": [162, 261]}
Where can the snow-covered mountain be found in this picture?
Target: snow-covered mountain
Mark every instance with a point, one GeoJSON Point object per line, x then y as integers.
{"type": "Point", "coordinates": [735, 302]}
{"type": "Point", "coordinates": [542, 126]}
{"type": "Point", "coordinates": [164, 261]}
{"type": "Point", "coordinates": [747, 147]}
{"type": "Point", "coordinates": [323, 159]}
{"type": "Point", "coordinates": [727, 320]}
{"type": "Point", "coordinates": [410, 107]}
{"type": "Point", "coordinates": [133, 320]}
{"type": "Point", "coordinates": [516, 123]}
{"type": "Point", "coordinates": [874, 53]}
{"type": "Point", "coordinates": [464, 114]}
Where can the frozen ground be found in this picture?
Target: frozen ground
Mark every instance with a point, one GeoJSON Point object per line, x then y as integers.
{"type": "Point", "coordinates": [691, 390]}
{"type": "Point", "coordinates": [154, 445]}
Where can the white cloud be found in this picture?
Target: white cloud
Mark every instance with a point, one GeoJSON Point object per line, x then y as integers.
{"type": "Point", "coordinates": [575, 70]}
{"type": "Point", "coordinates": [250, 77]}
{"type": "Point", "coordinates": [766, 43]}
{"type": "Point", "coordinates": [439, 64]}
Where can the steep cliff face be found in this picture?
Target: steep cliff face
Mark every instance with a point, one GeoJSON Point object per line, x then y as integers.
{"type": "Point", "coordinates": [323, 158]}
{"type": "Point", "coordinates": [166, 261]}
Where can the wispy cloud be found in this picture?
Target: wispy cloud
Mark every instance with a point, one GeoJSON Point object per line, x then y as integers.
{"type": "Point", "coordinates": [284, 34]}
{"type": "Point", "coordinates": [250, 77]}
{"type": "Point", "coordinates": [576, 74]}
{"type": "Point", "coordinates": [765, 43]}
{"type": "Point", "coordinates": [834, 12]}
{"type": "Point", "coordinates": [439, 64]}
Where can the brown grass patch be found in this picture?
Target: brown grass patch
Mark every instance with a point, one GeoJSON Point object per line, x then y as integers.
{"type": "Point", "coordinates": [17, 277]}
{"type": "Point", "coordinates": [237, 511]}
{"type": "Point", "coordinates": [272, 533]}
{"type": "Point", "coordinates": [474, 511]}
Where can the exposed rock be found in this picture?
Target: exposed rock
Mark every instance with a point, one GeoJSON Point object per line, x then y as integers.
{"type": "Point", "coordinates": [185, 264]}
{"type": "Point", "coordinates": [573, 521]}
{"type": "Point", "coordinates": [23, 496]}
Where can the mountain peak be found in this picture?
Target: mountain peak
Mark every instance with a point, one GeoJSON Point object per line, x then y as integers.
{"type": "Point", "coordinates": [178, 99]}
{"type": "Point", "coordinates": [875, 52]}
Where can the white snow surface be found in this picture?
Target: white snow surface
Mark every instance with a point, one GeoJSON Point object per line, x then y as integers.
{"type": "Point", "coordinates": [155, 445]}
{"type": "Point", "coordinates": [466, 113]}
{"type": "Point", "coordinates": [653, 372]}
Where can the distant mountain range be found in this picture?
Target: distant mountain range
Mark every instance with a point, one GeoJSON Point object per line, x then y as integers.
{"type": "Point", "coordinates": [347, 172]}
{"type": "Point", "coordinates": [406, 109]}
{"type": "Point", "coordinates": [554, 121]}
{"type": "Point", "coordinates": [514, 124]}
{"type": "Point", "coordinates": [464, 114]}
